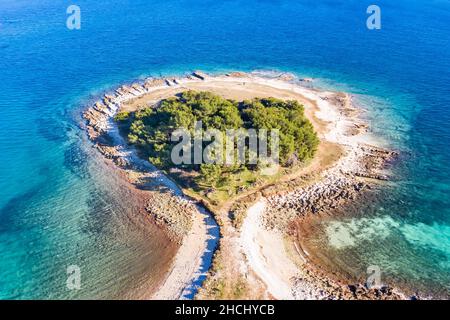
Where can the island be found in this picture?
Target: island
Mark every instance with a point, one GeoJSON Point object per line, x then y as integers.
{"type": "Point", "coordinates": [239, 224]}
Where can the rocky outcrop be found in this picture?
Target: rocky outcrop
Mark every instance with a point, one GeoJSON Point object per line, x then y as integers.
{"type": "Point", "coordinates": [172, 82]}
{"type": "Point", "coordinates": [318, 285]}
{"type": "Point", "coordinates": [337, 187]}
{"type": "Point", "coordinates": [200, 75]}
{"type": "Point", "coordinates": [237, 74]}
{"type": "Point", "coordinates": [151, 83]}
{"type": "Point", "coordinates": [172, 212]}
{"type": "Point", "coordinates": [286, 77]}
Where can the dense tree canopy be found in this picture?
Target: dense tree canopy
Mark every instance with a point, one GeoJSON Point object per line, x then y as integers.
{"type": "Point", "coordinates": [150, 129]}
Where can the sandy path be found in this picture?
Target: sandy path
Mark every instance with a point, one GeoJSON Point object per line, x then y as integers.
{"type": "Point", "coordinates": [266, 254]}
{"type": "Point", "coordinates": [192, 261]}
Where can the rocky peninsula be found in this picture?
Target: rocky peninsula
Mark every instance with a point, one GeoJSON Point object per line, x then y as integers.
{"type": "Point", "coordinates": [244, 247]}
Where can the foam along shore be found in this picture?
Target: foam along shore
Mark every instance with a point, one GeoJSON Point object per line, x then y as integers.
{"type": "Point", "coordinates": [261, 238]}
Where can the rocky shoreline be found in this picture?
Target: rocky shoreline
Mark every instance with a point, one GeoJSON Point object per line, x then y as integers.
{"type": "Point", "coordinates": [185, 220]}
{"type": "Point", "coordinates": [169, 208]}
{"type": "Point", "coordinates": [360, 169]}
{"type": "Point", "coordinates": [363, 167]}
{"type": "Point", "coordinates": [337, 187]}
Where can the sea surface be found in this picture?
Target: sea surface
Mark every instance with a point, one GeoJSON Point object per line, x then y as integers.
{"type": "Point", "coordinates": [59, 206]}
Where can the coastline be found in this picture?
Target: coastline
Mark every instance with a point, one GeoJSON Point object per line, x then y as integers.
{"type": "Point", "coordinates": [185, 221]}
{"type": "Point", "coordinates": [270, 220]}
{"type": "Point", "coordinates": [258, 247]}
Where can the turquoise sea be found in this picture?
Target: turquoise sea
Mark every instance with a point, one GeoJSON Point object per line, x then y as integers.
{"type": "Point", "coordinates": [60, 207]}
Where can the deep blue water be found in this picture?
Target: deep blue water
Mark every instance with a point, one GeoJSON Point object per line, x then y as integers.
{"type": "Point", "coordinates": [55, 203]}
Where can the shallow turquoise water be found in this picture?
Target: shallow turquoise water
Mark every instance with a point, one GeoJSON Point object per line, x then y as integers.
{"type": "Point", "coordinates": [52, 191]}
